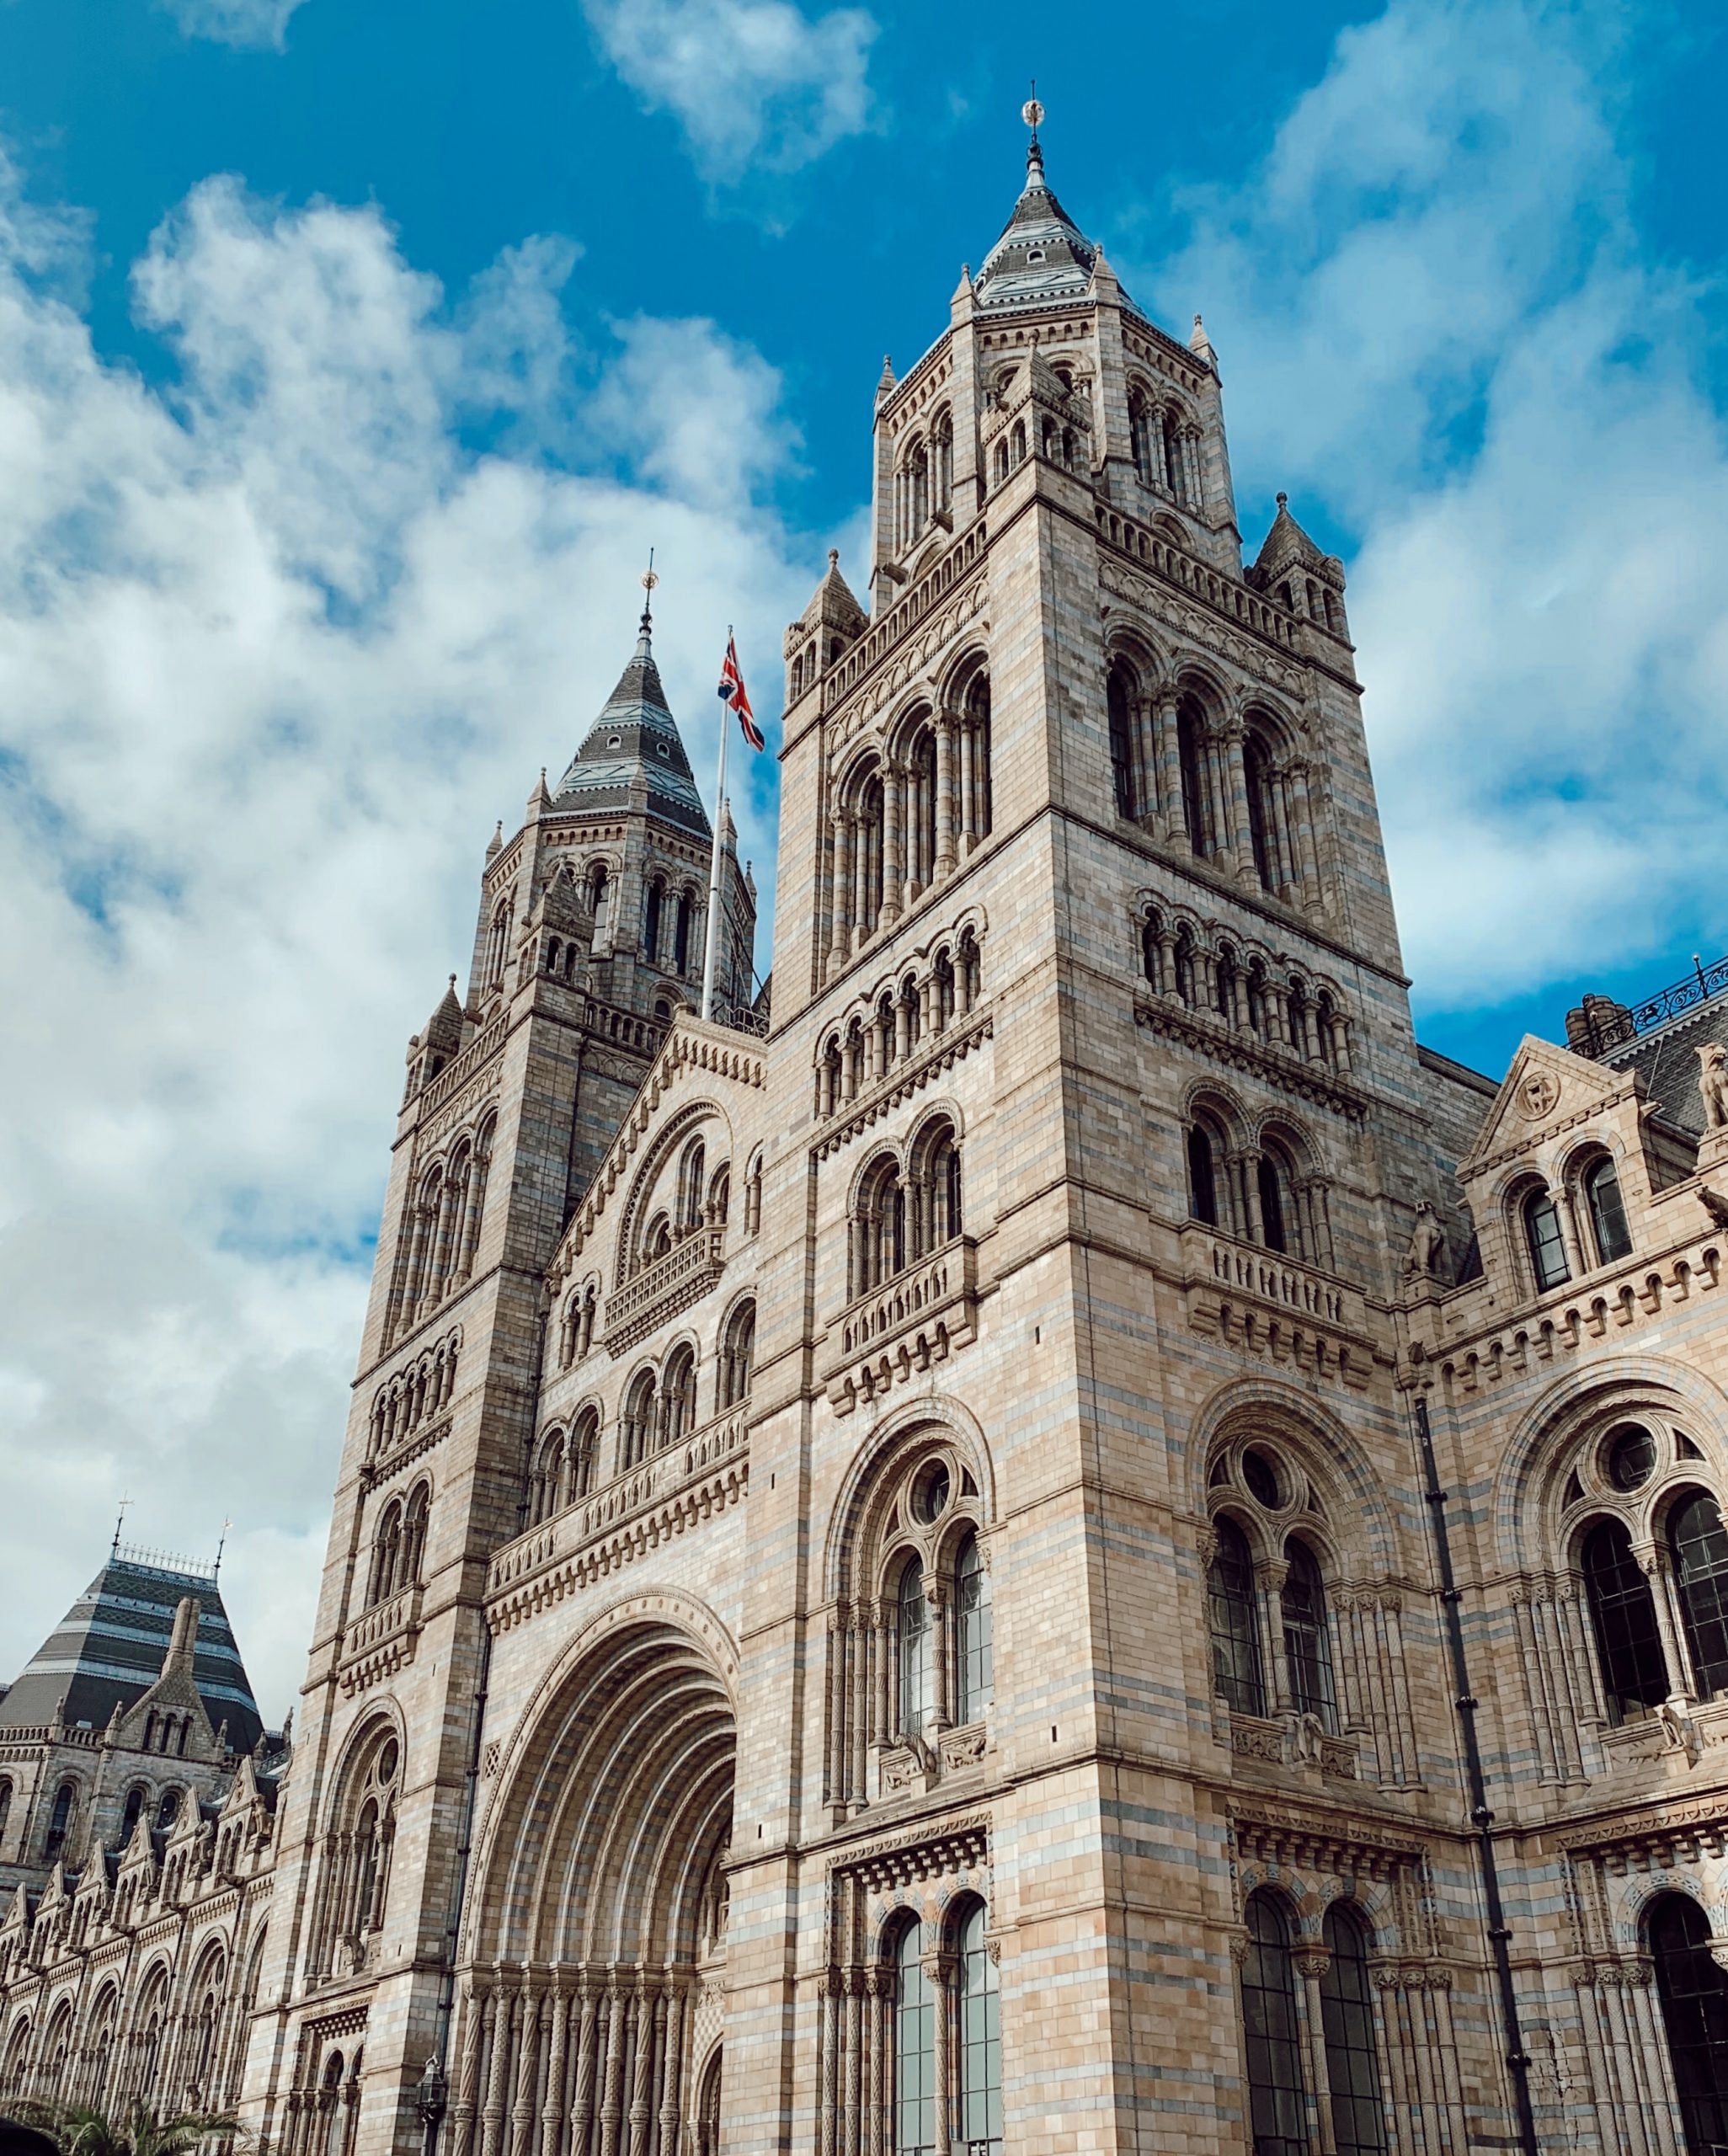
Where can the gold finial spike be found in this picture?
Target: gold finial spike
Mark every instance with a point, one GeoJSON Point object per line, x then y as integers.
{"type": "Point", "coordinates": [1032, 112]}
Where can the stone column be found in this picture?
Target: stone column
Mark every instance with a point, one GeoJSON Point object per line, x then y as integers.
{"type": "Point", "coordinates": [612, 2098]}
{"type": "Point", "coordinates": [522, 2114]}
{"type": "Point", "coordinates": [552, 2116]}
{"type": "Point", "coordinates": [893, 862]}
{"type": "Point", "coordinates": [1312, 1963]}
{"type": "Point", "coordinates": [863, 921]}
{"type": "Point", "coordinates": [650, 2011]}
{"type": "Point", "coordinates": [879, 2142]}
{"type": "Point", "coordinates": [968, 781]}
{"type": "Point", "coordinates": [672, 2086]}
{"type": "Point", "coordinates": [938, 1970]}
{"type": "Point", "coordinates": [840, 938]}
{"type": "Point", "coordinates": [1239, 842]}
{"type": "Point", "coordinates": [1174, 808]}
{"type": "Point", "coordinates": [581, 2097]}
{"type": "Point", "coordinates": [1269, 1576]}
{"type": "Point", "coordinates": [1307, 840]}
{"type": "Point", "coordinates": [945, 856]}
{"type": "Point", "coordinates": [491, 2118]}
{"type": "Point", "coordinates": [1652, 1562]}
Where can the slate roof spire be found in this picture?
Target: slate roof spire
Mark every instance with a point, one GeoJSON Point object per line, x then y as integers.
{"type": "Point", "coordinates": [1042, 257]}
{"type": "Point", "coordinates": [635, 741]}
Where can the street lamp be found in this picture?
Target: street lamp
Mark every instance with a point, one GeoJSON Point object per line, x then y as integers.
{"type": "Point", "coordinates": [431, 2101]}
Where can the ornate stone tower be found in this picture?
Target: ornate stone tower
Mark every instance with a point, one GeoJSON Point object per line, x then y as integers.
{"type": "Point", "coordinates": [589, 938]}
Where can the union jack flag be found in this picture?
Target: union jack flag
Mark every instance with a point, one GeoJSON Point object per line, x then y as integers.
{"type": "Point", "coordinates": [736, 698]}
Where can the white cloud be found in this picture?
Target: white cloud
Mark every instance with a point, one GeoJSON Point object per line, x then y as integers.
{"type": "Point", "coordinates": [1436, 319]}
{"type": "Point", "coordinates": [748, 81]}
{"type": "Point", "coordinates": [274, 651]}
{"type": "Point", "coordinates": [235, 21]}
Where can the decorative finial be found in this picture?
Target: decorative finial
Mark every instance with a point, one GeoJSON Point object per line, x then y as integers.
{"type": "Point", "coordinates": [119, 1519]}
{"type": "Point", "coordinates": [1283, 501]}
{"type": "Point", "coordinates": [222, 1545]}
{"type": "Point", "coordinates": [834, 557]}
{"type": "Point", "coordinates": [648, 581]}
{"type": "Point", "coordinates": [1032, 112]}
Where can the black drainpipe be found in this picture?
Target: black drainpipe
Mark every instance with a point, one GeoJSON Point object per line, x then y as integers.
{"type": "Point", "coordinates": [1481, 1817]}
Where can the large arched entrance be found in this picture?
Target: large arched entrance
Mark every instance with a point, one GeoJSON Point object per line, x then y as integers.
{"type": "Point", "coordinates": [600, 1900]}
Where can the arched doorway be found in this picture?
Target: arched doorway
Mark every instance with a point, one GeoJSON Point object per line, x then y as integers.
{"type": "Point", "coordinates": [708, 2110]}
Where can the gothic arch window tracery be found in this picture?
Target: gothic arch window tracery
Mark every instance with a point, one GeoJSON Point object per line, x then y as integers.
{"type": "Point", "coordinates": [354, 1881]}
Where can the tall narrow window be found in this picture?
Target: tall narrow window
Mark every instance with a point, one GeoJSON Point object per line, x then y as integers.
{"type": "Point", "coordinates": [1235, 1632]}
{"type": "Point", "coordinates": [1699, 1548]}
{"type": "Point", "coordinates": [915, 2096]}
{"type": "Point", "coordinates": [980, 2041]}
{"type": "Point", "coordinates": [680, 934]}
{"type": "Point", "coordinates": [59, 1821]}
{"type": "Point", "coordinates": [1628, 1647]}
{"type": "Point", "coordinates": [916, 1688]}
{"type": "Point", "coordinates": [974, 1647]}
{"type": "Point", "coordinates": [1122, 742]}
{"type": "Point", "coordinates": [1203, 1177]}
{"type": "Point", "coordinates": [1191, 744]}
{"type": "Point", "coordinates": [1256, 770]}
{"type": "Point", "coordinates": [6, 1811]}
{"type": "Point", "coordinates": [651, 925]}
{"type": "Point", "coordinates": [1273, 1231]}
{"type": "Point", "coordinates": [1547, 1244]}
{"type": "Point", "coordinates": [1277, 2122]}
{"type": "Point", "coordinates": [1308, 1653]}
{"type": "Point", "coordinates": [1608, 1212]}
{"type": "Point", "coordinates": [1695, 1999]}
{"type": "Point", "coordinates": [1348, 2023]}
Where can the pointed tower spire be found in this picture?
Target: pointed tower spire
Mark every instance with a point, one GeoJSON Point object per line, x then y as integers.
{"type": "Point", "coordinates": [633, 753]}
{"type": "Point", "coordinates": [1200, 344]}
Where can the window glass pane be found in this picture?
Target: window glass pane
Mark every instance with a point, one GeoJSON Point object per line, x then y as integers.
{"type": "Point", "coordinates": [1607, 1213]}
{"type": "Point", "coordinates": [1272, 1204]}
{"type": "Point", "coordinates": [972, 1598]}
{"type": "Point", "coordinates": [914, 2052]}
{"type": "Point", "coordinates": [1202, 1186]}
{"type": "Point", "coordinates": [1347, 2022]}
{"type": "Point", "coordinates": [1308, 1654]}
{"type": "Point", "coordinates": [1628, 1647]}
{"type": "Point", "coordinates": [1548, 1248]}
{"type": "Point", "coordinates": [916, 1688]}
{"type": "Point", "coordinates": [980, 2044]}
{"type": "Point", "coordinates": [1695, 1999]}
{"type": "Point", "coordinates": [1700, 1552]}
{"type": "Point", "coordinates": [1278, 2123]}
{"type": "Point", "coordinates": [1235, 1644]}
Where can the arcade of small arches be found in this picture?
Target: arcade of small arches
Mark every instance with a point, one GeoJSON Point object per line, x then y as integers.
{"type": "Point", "coordinates": [1259, 1181]}
{"type": "Point", "coordinates": [1228, 785]}
{"type": "Point", "coordinates": [1166, 444]}
{"type": "Point", "coordinates": [441, 1228]}
{"type": "Point", "coordinates": [889, 1028]}
{"type": "Point", "coordinates": [414, 1396]}
{"type": "Point", "coordinates": [699, 1200]}
{"type": "Point", "coordinates": [1205, 968]}
{"type": "Point", "coordinates": [399, 1545]}
{"type": "Point", "coordinates": [661, 1404]}
{"type": "Point", "coordinates": [906, 1205]}
{"type": "Point", "coordinates": [905, 811]}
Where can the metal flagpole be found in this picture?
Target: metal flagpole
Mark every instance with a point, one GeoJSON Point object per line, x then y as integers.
{"type": "Point", "coordinates": [711, 941]}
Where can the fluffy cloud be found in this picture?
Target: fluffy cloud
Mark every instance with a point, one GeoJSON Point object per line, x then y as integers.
{"type": "Point", "coordinates": [748, 80]}
{"type": "Point", "coordinates": [235, 21]}
{"type": "Point", "coordinates": [275, 649]}
{"type": "Point", "coordinates": [1438, 326]}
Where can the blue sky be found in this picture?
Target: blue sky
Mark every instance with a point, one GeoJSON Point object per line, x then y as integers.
{"type": "Point", "coordinates": [351, 356]}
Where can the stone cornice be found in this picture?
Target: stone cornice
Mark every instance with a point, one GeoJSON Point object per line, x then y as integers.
{"type": "Point", "coordinates": [948, 1048]}
{"type": "Point", "coordinates": [1319, 1086]}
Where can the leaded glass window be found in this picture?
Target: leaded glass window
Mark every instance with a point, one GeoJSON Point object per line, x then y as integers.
{"type": "Point", "coordinates": [916, 1690]}
{"type": "Point", "coordinates": [980, 2042]}
{"type": "Point", "coordinates": [915, 2050]}
{"type": "Point", "coordinates": [1608, 1213]}
{"type": "Point", "coordinates": [1278, 2123]}
{"type": "Point", "coordinates": [1695, 1999]}
{"type": "Point", "coordinates": [1203, 1177]}
{"type": "Point", "coordinates": [1348, 2023]}
{"type": "Point", "coordinates": [974, 1647]}
{"type": "Point", "coordinates": [1699, 1547]}
{"type": "Point", "coordinates": [1628, 1647]}
{"type": "Point", "coordinates": [1308, 1653]}
{"type": "Point", "coordinates": [1236, 1638]}
{"type": "Point", "coordinates": [1547, 1244]}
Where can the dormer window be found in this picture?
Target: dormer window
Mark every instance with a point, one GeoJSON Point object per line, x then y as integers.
{"type": "Point", "coordinates": [615, 741]}
{"type": "Point", "coordinates": [1034, 254]}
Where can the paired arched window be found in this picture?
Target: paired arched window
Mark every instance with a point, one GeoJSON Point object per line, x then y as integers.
{"type": "Point", "coordinates": [973, 2053]}
{"type": "Point", "coordinates": [1299, 1624]}
{"type": "Point", "coordinates": [1628, 1647]}
{"type": "Point", "coordinates": [1694, 1994]}
{"type": "Point", "coordinates": [564, 1468]}
{"type": "Point", "coordinates": [355, 1881]}
{"type": "Point", "coordinates": [638, 1435]}
{"type": "Point", "coordinates": [678, 1396]}
{"type": "Point", "coordinates": [1275, 2037]}
{"type": "Point", "coordinates": [692, 1170]}
{"type": "Point", "coordinates": [60, 1822]}
{"type": "Point", "coordinates": [898, 1221]}
{"type": "Point", "coordinates": [399, 1545]}
{"type": "Point", "coordinates": [1261, 1197]}
{"type": "Point", "coordinates": [1234, 1623]}
{"type": "Point", "coordinates": [737, 1353]}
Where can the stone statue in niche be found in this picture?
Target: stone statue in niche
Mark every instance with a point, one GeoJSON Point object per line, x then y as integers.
{"type": "Point", "coordinates": [1428, 1244]}
{"type": "Point", "coordinates": [1713, 1084]}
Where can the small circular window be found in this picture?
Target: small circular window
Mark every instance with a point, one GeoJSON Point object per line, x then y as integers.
{"type": "Point", "coordinates": [1630, 1457]}
{"type": "Point", "coordinates": [1261, 1479]}
{"type": "Point", "coordinates": [929, 1492]}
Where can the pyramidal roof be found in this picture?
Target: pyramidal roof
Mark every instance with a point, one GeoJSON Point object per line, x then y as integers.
{"type": "Point", "coordinates": [110, 1647]}
{"type": "Point", "coordinates": [1042, 257]}
{"type": "Point", "coordinates": [635, 738]}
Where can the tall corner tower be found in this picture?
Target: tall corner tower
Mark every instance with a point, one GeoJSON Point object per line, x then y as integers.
{"type": "Point", "coordinates": [588, 941]}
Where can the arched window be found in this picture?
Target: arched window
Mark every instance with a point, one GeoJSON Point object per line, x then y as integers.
{"type": "Point", "coordinates": [650, 925]}
{"type": "Point", "coordinates": [678, 1396]}
{"type": "Point", "coordinates": [881, 1228]}
{"type": "Point", "coordinates": [1274, 1212]}
{"type": "Point", "coordinates": [1308, 1652]}
{"type": "Point", "coordinates": [1234, 1622]}
{"type": "Point", "coordinates": [980, 2060]}
{"type": "Point", "coordinates": [937, 1192]}
{"type": "Point", "coordinates": [1262, 809]}
{"type": "Point", "coordinates": [1628, 1647]}
{"type": "Point", "coordinates": [386, 1555]}
{"type": "Point", "coordinates": [941, 460]}
{"type": "Point", "coordinates": [168, 1811]}
{"type": "Point", "coordinates": [600, 891]}
{"type": "Point", "coordinates": [1140, 433]}
{"type": "Point", "coordinates": [922, 813]}
{"type": "Point", "coordinates": [1607, 1211]}
{"type": "Point", "coordinates": [5, 1810]}
{"type": "Point", "coordinates": [413, 1536]}
{"type": "Point", "coordinates": [1347, 2025]}
{"type": "Point", "coordinates": [1694, 2000]}
{"type": "Point", "coordinates": [133, 1811]}
{"type": "Point", "coordinates": [917, 1689]}
{"type": "Point", "coordinates": [1700, 1549]}
{"type": "Point", "coordinates": [1191, 749]}
{"type": "Point", "coordinates": [60, 1822]}
{"type": "Point", "coordinates": [638, 1420]}
{"type": "Point", "coordinates": [974, 1678]}
{"type": "Point", "coordinates": [690, 1179]}
{"type": "Point", "coordinates": [1546, 1241]}
{"type": "Point", "coordinates": [546, 1487]}
{"type": "Point", "coordinates": [1118, 700]}
{"type": "Point", "coordinates": [1278, 2121]}
{"type": "Point", "coordinates": [1203, 1177]}
{"type": "Point", "coordinates": [978, 808]}
{"type": "Point", "coordinates": [680, 932]}
{"type": "Point", "coordinates": [738, 1353]}
{"type": "Point", "coordinates": [915, 2094]}
{"type": "Point", "coordinates": [580, 1454]}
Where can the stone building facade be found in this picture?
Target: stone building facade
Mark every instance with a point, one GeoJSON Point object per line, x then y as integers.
{"type": "Point", "coordinates": [1071, 1543]}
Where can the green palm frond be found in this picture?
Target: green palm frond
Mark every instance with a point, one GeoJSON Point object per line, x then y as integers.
{"type": "Point", "coordinates": [134, 2129]}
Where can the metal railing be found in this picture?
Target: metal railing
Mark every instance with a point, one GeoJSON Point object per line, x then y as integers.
{"type": "Point", "coordinates": [1625, 1022]}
